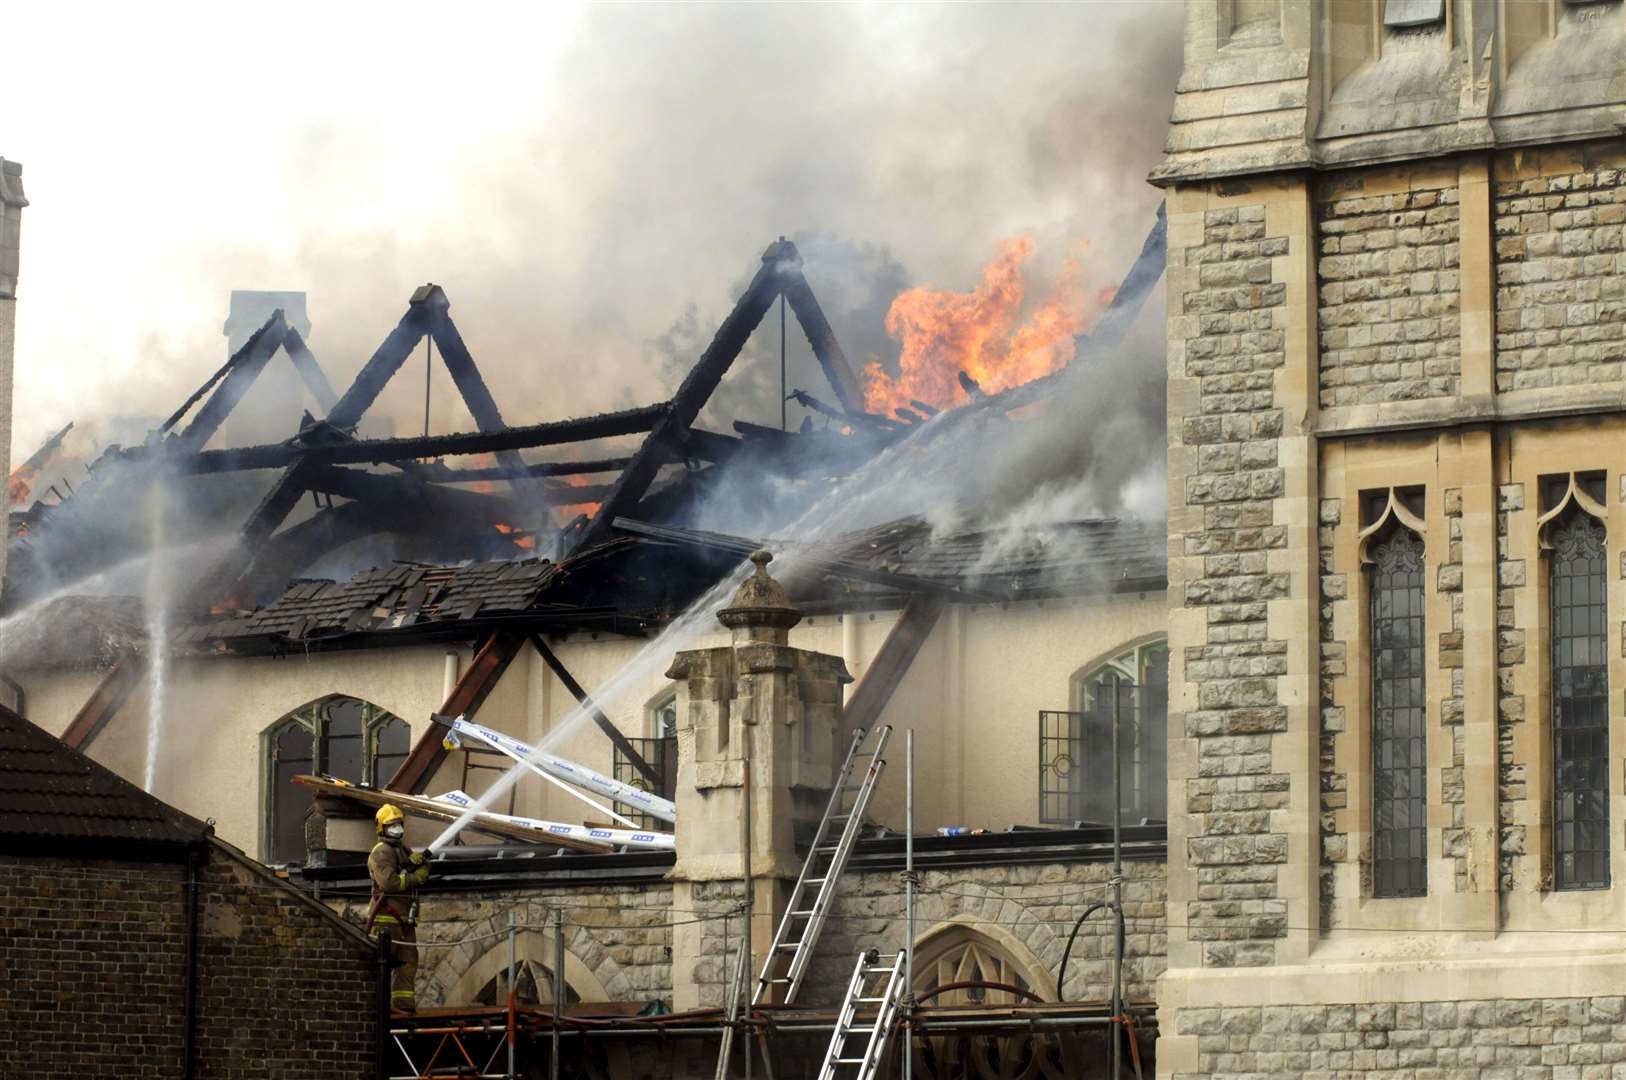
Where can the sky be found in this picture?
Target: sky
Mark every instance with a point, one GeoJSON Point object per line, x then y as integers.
{"type": "Point", "coordinates": [592, 186]}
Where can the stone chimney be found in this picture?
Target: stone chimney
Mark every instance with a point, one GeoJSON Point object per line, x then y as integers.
{"type": "Point", "coordinates": [757, 720]}
{"type": "Point", "coordinates": [11, 225]}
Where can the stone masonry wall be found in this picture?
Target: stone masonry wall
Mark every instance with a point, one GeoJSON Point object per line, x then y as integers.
{"type": "Point", "coordinates": [1539, 1039]}
{"type": "Point", "coordinates": [1034, 906]}
{"type": "Point", "coordinates": [1455, 837]}
{"type": "Point", "coordinates": [1560, 268]}
{"type": "Point", "coordinates": [1334, 782]}
{"type": "Point", "coordinates": [92, 974]}
{"type": "Point", "coordinates": [1511, 576]}
{"type": "Point", "coordinates": [1226, 336]}
{"type": "Point", "coordinates": [1390, 302]}
{"type": "Point", "coordinates": [622, 934]}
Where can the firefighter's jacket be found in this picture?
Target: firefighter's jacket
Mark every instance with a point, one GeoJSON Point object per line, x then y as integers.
{"type": "Point", "coordinates": [395, 891]}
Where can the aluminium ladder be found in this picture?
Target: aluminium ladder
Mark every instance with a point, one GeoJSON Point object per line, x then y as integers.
{"type": "Point", "coordinates": [877, 980]}
{"type": "Point", "coordinates": [803, 922]}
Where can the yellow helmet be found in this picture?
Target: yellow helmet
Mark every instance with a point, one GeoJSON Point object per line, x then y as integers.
{"type": "Point", "coordinates": [387, 815]}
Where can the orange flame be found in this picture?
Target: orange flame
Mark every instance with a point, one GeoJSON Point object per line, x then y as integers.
{"type": "Point", "coordinates": [522, 539]}
{"type": "Point", "coordinates": [483, 461]}
{"type": "Point", "coordinates": [22, 482]}
{"type": "Point", "coordinates": [577, 480]}
{"type": "Point", "coordinates": [945, 333]}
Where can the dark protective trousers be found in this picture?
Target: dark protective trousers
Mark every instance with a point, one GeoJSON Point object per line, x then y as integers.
{"type": "Point", "coordinates": [403, 941]}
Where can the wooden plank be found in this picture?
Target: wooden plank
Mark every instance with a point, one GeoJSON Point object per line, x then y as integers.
{"type": "Point", "coordinates": [421, 807]}
{"type": "Point", "coordinates": [106, 700]}
{"type": "Point", "coordinates": [897, 653]}
{"type": "Point", "coordinates": [310, 371]}
{"type": "Point", "coordinates": [621, 742]}
{"type": "Point", "coordinates": [473, 687]}
{"type": "Point", "coordinates": [245, 367]}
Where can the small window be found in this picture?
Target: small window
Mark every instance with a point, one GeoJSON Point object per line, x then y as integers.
{"type": "Point", "coordinates": [1408, 14]}
{"type": "Point", "coordinates": [1399, 715]}
{"type": "Point", "coordinates": [342, 737]}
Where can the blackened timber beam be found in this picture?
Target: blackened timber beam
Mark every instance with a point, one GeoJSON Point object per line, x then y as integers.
{"type": "Point", "coordinates": [695, 391]}
{"type": "Point", "coordinates": [465, 375]}
{"type": "Point", "coordinates": [310, 371]}
{"type": "Point", "coordinates": [621, 742]}
{"type": "Point", "coordinates": [244, 368]}
{"type": "Point", "coordinates": [377, 451]}
{"type": "Point", "coordinates": [823, 340]}
{"type": "Point", "coordinates": [386, 360]}
{"type": "Point", "coordinates": [700, 445]}
{"type": "Point", "coordinates": [209, 383]}
{"type": "Point", "coordinates": [891, 663]}
{"type": "Point", "coordinates": [109, 695]}
{"type": "Point", "coordinates": [221, 582]}
{"type": "Point", "coordinates": [440, 474]}
{"type": "Point", "coordinates": [1136, 286]}
{"type": "Point", "coordinates": [385, 487]}
{"type": "Point", "coordinates": [473, 687]}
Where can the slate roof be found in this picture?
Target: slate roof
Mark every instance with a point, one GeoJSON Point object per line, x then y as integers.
{"type": "Point", "coordinates": [78, 631]}
{"type": "Point", "coordinates": [387, 598]}
{"type": "Point", "coordinates": [54, 797]}
{"type": "Point", "coordinates": [1088, 555]}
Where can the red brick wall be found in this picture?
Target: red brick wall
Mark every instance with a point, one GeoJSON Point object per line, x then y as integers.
{"type": "Point", "coordinates": [92, 966]}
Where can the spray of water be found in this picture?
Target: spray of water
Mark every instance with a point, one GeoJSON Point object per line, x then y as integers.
{"type": "Point", "coordinates": [158, 590]}
{"type": "Point", "coordinates": [911, 466]}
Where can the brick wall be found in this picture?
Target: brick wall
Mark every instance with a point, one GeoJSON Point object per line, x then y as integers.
{"type": "Point", "coordinates": [1226, 344]}
{"type": "Point", "coordinates": [1390, 302]}
{"type": "Point", "coordinates": [1560, 269]}
{"type": "Point", "coordinates": [1546, 1039]}
{"type": "Point", "coordinates": [94, 959]}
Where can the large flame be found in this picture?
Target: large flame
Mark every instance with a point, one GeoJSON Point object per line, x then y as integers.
{"type": "Point", "coordinates": [979, 333]}
{"type": "Point", "coordinates": [22, 483]}
{"type": "Point", "coordinates": [576, 480]}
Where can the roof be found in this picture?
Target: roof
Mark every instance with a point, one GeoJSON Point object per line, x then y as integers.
{"type": "Point", "coordinates": [388, 597]}
{"type": "Point", "coordinates": [54, 797]}
{"type": "Point", "coordinates": [74, 631]}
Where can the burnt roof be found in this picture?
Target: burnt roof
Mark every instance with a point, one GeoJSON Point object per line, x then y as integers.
{"type": "Point", "coordinates": [73, 631]}
{"type": "Point", "coordinates": [53, 798]}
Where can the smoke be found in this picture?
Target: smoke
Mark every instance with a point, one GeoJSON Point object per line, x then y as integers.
{"type": "Point", "coordinates": [590, 186]}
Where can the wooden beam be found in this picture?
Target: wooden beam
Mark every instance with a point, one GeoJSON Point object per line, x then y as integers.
{"type": "Point", "coordinates": [604, 724]}
{"type": "Point", "coordinates": [310, 371]}
{"type": "Point", "coordinates": [243, 369]}
{"type": "Point", "coordinates": [475, 685]}
{"type": "Point", "coordinates": [106, 700]}
{"type": "Point", "coordinates": [466, 376]}
{"type": "Point", "coordinates": [849, 391]}
{"type": "Point", "coordinates": [692, 395]}
{"type": "Point", "coordinates": [429, 808]}
{"type": "Point", "coordinates": [883, 675]}
{"type": "Point", "coordinates": [376, 451]}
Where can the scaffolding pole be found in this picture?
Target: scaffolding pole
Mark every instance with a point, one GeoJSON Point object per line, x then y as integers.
{"type": "Point", "coordinates": [909, 906]}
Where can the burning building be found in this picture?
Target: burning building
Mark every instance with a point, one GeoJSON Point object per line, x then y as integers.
{"type": "Point", "coordinates": [334, 620]}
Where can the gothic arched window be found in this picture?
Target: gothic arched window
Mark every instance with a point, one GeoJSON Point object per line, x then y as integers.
{"type": "Point", "coordinates": [1130, 690]}
{"type": "Point", "coordinates": [1399, 716]}
{"type": "Point", "coordinates": [1577, 583]}
{"type": "Point", "coordinates": [960, 954]}
{"type": "Point", "coordinates": [342, 737]}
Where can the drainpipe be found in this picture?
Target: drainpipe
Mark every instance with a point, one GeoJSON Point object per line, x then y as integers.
{"type": "Point", "coordinates": [19, 695]}
{"type": "Point", "coordinates": [449, 680]}
{"type": "Point", "coordinates": [194, 859]}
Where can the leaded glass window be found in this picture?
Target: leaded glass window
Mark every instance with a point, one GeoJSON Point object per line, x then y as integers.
{"type": "Point", "coordinates": [1399, 717]}
{"type": "Point", "coordinates": [342, 737]}
{"type": "Point", "coordinates": [1131, 691]}
{"type": "Point", "coordinates": [1580, 697]}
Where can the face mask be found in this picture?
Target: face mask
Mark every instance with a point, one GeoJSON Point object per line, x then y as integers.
{"type": "Point", "coordinates": [395, 832]}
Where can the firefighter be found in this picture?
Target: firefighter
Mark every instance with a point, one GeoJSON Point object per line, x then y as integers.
{"type": "Point", "coordinates": [397, 872]}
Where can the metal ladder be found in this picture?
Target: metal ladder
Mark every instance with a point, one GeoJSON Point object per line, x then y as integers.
{"type": "Point", "coordinates": [803, 922]}
{"type": "Point", "coordinates": [862, 990]}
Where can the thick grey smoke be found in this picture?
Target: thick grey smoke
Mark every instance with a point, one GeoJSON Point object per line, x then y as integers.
{"type": "Point", "coordinates": [594, 223]}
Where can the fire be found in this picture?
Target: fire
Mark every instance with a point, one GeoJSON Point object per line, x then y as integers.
{"type": "Point", "coordinates": [978, 332]}
{"type": "Point", "coordinates": [483, 461]}
{"type": "Point", "coordinates": [22, 482]}
{"type": "Point", "coordinates": [521, 538]}
{"type": "Point", "coordinates": [589, 508]}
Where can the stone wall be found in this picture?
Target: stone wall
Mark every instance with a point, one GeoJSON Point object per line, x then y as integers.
{"type": "Point", "coordinates": [1548, 1039]}
{"type": "Point", "coordinates": [1334, 781]}
{"type": "Point", "coordinates": [1027, 910]}
{"type": "Point", "coordinates": [1510, 705]}
{"type": "Point", "coordinates": [1390, 300]}
{"type": "Point", "coordinates": [620, 935]}
{"type": "Point", "coordinates": [92, 973]}
{"type": "Point", "coordinates": [1560, 268]}
{"type": "Point", "coordinates": [1227, 299]}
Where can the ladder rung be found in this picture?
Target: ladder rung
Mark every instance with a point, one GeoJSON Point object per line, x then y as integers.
{"type": "Point", "coordinates": [775, 982]}
{"type": "Point", "coordinates": [814, 881]}
{"type": "Point", "coordinates": [806, 914]}
{"type": "Point", "coordinates": [791, 945]}
{"type": "Point", "coordinates": [850, 1061]}
{"type": "Point", "coordinates": [869, 1001]}
{"type": "Point", "coordinates": [828, 847]}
